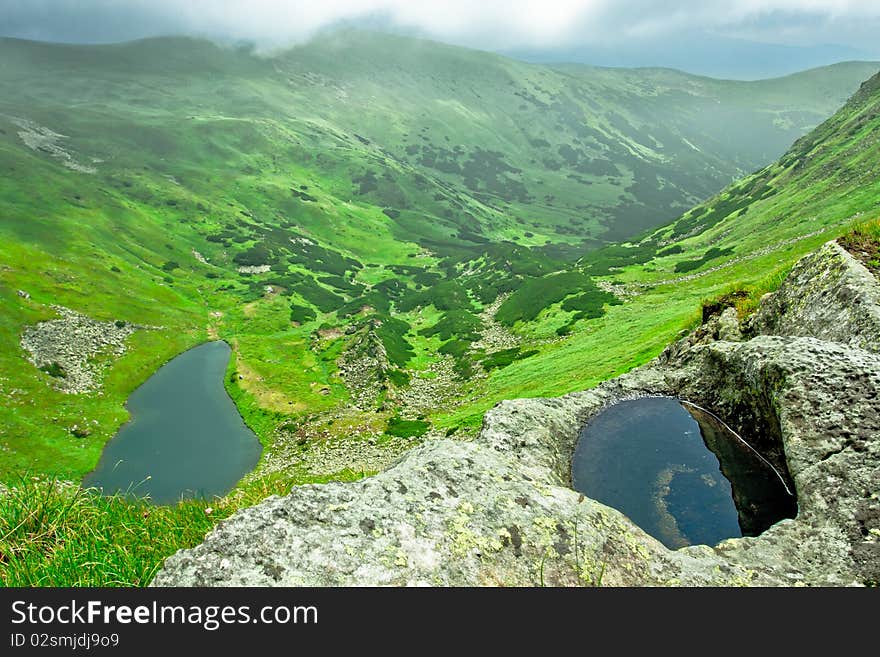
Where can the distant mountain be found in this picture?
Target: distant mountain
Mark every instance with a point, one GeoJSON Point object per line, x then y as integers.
{"type": "Point", "coordinates": [833, 173]}
{"type": "Point", "coordinates": [452, 143]}
{"type": "Point", "coordinates": [701, 54]}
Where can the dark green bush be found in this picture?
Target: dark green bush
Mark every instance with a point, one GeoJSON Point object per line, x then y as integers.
{"type": "Point", "coordinates": [711, 254]}
{"type": "Point", "coordinates": [455, 324]}
{"type": "Point", "coordinates": [320, 297]}
{"type": "Point", "coordinates": [54, 370]}
{"type": "Point", "coordinates": [406, 428]}
{"type": "Point", "coordinates": [501, 359]}
{"type": "Point", "coordinates": [392, 333]}
{"type": "Point", "coordinates": [539, 293]}
{"type": "Point", "coordinates": [399, 378]}
{"type": "Point", "coordinates": [301, 314]}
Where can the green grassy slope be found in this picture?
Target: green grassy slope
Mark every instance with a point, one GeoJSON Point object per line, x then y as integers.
{"type": "Point", "coordinates": [455, 142]}
{"type": "Point", "coordinates": [567, 148]}
{"type": "Point", "coordinates": [392, 187]}
{"type": "Point", "coordinates": [166, 149]}
{"type": "Point", "coordinates": [744, 238]}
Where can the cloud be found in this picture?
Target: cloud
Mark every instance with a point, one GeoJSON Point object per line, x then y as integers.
{"type": "Point", "coordinates": [488, 24]}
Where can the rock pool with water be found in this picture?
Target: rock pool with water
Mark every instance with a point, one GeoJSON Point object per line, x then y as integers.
{"type": "Point", "coordinates": [678, 473]}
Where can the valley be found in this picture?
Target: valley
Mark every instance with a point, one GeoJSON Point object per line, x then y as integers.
{"type": "Point", "coordinates": [392, 235]}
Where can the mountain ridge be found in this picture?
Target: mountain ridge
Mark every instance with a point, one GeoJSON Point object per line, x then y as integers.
{"type": "Point", "coordinates": [613, 168]}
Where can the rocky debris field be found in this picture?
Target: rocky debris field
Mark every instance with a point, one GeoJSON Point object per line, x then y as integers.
{"type": "Point", "coordinates": [797, 381]}
{"type": "Point", "coordinates": [66, 348]}
{"type": "Point", "coordinates": [254, 269]}
{"type": "Point", "coordinates": [41, 139]}
{"type": "Point", "coordinates": [495, 336]}
{"type": "Point", "coordinates": [436, 386]}
{"type": "Point", "coordinates": [363, 367]}
{"type": "Point", "coordinates": [360, 452]}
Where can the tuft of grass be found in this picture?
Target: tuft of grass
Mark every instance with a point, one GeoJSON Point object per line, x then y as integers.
{"type": "Point", "coordinates": [748, 304]}
{"type": "Point", "coordinates": [868, 230]}
{"type": "Point", "coordinates": [744, 297]}
{"type": "Point", "coordinates": [54, 533]}
{"type": "Point", "coordinates": [863, 241]}
{"type": "Point", "coordinates": [717, 304]}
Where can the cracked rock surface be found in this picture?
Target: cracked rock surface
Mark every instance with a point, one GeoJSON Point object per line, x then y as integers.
{"type": "Point", "coordinates": [499, 511]}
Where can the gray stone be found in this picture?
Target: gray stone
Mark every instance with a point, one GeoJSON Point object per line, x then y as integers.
{"type": "Point", "coordinates": [828, 295]}
{"type": "Point", "coordinates": [728, 326]}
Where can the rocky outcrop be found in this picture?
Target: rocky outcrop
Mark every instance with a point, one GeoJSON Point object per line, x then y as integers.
{"type": "Point", "coordinates": [66, 348]}
{"type": "Point", "coordinates": [828, 295]}
{"type": "Point", "coordinates": [499, 510]}
{"type": "Point", "coordinates": [254, 269]}
{"type": "Point", "coordinates": [364, 366]}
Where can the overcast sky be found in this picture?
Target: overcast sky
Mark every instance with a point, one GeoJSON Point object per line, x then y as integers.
{"type": "Point", "coordinates": [486, 24]}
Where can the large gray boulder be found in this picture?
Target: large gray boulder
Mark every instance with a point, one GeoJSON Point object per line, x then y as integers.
{"type": "Point", "coordinates": [827, 295]}
{"type": "Point", "coordinates": [499, 510]}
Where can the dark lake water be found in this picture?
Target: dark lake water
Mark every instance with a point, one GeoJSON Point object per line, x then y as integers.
{"type": "Point", "coordinates": [678, 473]}
{"type": "Point", "coordinates": [185, 438]}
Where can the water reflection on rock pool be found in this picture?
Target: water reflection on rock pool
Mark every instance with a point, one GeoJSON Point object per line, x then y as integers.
{"type": "Point", "coordinates": [678, 473]}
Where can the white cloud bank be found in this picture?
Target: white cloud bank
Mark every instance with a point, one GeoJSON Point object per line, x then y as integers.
{"type": "Point", "coordinates": [487, 24]}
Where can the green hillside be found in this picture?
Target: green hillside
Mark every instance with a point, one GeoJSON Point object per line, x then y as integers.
{"type": "Point", "coordinates": [393, 235]}
{"type": "Point", "coordinates": [447, 204]}
{"type": "Point", "coordinates": [455, 144]}
{"type": "Point", "coordinates": [734, 247]}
